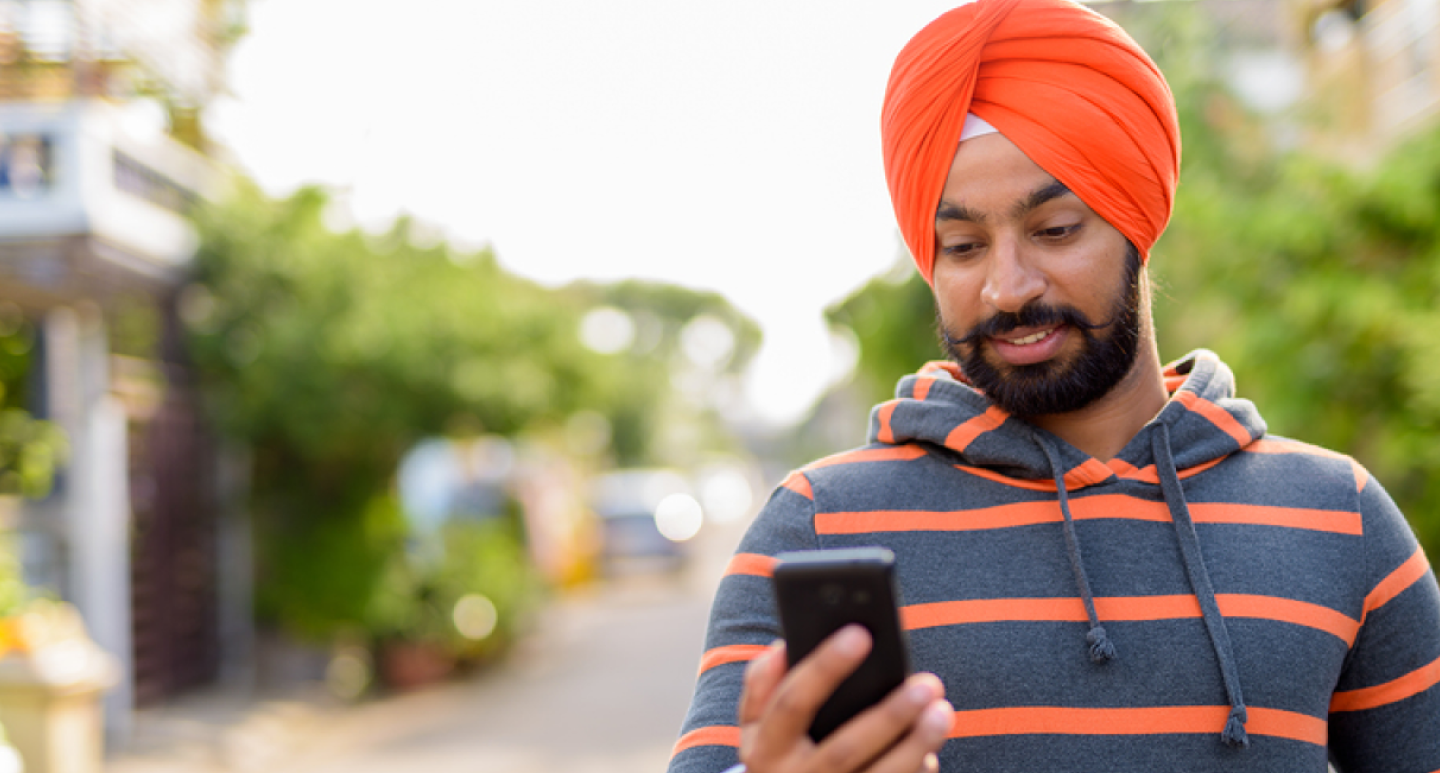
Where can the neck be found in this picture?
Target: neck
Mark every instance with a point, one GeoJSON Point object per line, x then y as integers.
{"type": "Point", "coordinates": [1102, 428]}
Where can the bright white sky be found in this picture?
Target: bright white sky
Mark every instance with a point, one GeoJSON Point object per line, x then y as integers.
{"type": "Point", "coordinates": [730, 146]}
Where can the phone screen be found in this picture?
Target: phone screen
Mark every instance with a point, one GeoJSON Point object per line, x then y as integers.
{"type": "Point", "coordinates": [820, 591]}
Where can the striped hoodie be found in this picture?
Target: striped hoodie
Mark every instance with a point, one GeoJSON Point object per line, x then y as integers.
{"type": "Point", "coordinates": [1213, 598]}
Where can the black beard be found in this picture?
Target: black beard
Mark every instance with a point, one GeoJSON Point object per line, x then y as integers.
{"type": "Point", "coordinates": [1054, 386]}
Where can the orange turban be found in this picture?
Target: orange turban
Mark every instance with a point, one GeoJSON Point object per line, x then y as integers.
{"type": "Point", "coordinates": [1070, 88]}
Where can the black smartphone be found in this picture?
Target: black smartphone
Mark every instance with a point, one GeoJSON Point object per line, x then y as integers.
{"type": "Point", "coordinates": [817, 593]}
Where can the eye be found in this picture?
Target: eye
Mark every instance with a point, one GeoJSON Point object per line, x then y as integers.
{"type": "Point", "coordinates": [960, 249]}
{"type": "Point", "coordinates": [1056, 233]}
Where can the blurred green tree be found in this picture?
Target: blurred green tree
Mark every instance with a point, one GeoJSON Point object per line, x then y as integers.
{"type": "Point", "coordinates": [1317, 283]}
{"type": "Point", "coordinates": [668, 345]}
{"type": "Point", "coordinates": [328, 355]}
{"type": "Point", "coordinates": [30, 449]}
{"type": "Point", "coordinates": [893, 319]}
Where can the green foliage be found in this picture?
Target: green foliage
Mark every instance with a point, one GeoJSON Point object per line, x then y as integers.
{"type": "Point", "coordinates": [1318, 286]}
{"type": "Point", "coordinates": [319, 574]}
{"type": "Point", "coordinates": [17, 339]}
{"type": "Point", "coordinates": [482, 562]}
{"type": "Point", "coordinates": [893, 319]}
{"type": "Point", "coordinates": [643, 404]}
{"type": "Point", "coordinates": [14, 593]}
{"type": "Point", "coordinates": [663, 310]}
{"type": "Point", "coordinates": [328, 343]}
{"type": "Point", "coordinates": [30, 449]}
{"type": "Point", "coordinates": [328, 355]}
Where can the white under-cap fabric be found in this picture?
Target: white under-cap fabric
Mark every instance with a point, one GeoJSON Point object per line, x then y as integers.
{"type": "Point", "coordinates": [975, 126]}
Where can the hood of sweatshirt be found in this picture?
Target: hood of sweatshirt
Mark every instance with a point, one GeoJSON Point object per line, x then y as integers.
{"type": "Point", "coordinates": [1201, 424]}
{"type": "Point", "coordinates": [1204, 420]}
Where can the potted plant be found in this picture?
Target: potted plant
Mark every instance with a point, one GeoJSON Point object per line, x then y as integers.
{"type": "Point", "coordinates": [455, 609]}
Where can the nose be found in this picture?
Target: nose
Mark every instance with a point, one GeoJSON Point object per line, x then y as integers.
{"type": "Point", "coordinates": [1011, 280]}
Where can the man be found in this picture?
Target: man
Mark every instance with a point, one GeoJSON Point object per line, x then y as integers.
{"type": "Point", "coordinates": [1106, 563]}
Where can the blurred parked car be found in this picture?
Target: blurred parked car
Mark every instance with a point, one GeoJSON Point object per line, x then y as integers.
{"type": "Point", "coordinates": [645, 515]}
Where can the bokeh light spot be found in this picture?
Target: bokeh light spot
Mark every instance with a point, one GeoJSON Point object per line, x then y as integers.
{"type": "Point", "coordinates": [475, 616]}
{"type": "Point", "coordinates": [679, 517]}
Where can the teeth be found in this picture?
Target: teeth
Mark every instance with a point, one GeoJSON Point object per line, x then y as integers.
{"type": "Point", "coordinates": [1030, 339]}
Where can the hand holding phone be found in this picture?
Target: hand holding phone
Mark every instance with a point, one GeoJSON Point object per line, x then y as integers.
{"type": "Point", "coordinates": [818, 593]}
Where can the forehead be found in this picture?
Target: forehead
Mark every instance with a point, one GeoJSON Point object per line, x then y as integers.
{"type": "Point", "coordinates": [991, 169]}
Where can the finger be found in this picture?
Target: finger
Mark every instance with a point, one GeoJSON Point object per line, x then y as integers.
{"type": "Point", "coordinates": [917, 750]}
{"type": "Point", "coordinates": [761, 677]}
{"type": "Point", "coordinates": [800, 694]}
{"type": "Point", "coordinates": [884, 725]}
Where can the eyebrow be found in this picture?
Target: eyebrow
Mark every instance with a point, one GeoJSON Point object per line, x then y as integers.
{"type": "Point", "coordinates": [1045, 193]}
{"type": "Point", "coordinates": [1041, 195]}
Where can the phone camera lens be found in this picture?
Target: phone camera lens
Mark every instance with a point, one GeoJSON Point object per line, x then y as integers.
{"type": "Point", "coordinates": [832, 595]}
{"type": "Point", "coordinates": [862, 597]}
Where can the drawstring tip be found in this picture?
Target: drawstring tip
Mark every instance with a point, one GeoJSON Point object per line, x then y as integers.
{"type": "Point", "coordinates": [1234, 734]}
{"type": "Point", "coordinates": [1101, 648]}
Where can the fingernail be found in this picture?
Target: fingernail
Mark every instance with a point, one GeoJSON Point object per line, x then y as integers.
{"type": "Point", "coordinates": [919, 693]}
{"type": "Point", "coordinates": [938, 718]}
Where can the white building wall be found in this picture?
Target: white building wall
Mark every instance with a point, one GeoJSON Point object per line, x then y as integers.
{"type": "Point", "coordinates": [94, 502]}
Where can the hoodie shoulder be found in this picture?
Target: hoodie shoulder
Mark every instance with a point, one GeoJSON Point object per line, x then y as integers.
{"type": "Point", "coordinates": [1312, 463]}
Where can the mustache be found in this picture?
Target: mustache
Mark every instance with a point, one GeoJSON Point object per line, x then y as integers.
{"type": "Point", "coordinates": [1034, 315]}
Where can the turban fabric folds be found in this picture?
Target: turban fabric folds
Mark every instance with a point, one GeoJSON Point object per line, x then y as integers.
{"type": "Point", "coordinates": [1070, 88]}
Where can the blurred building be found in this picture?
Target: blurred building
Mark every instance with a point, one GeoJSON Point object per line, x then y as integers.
{"type": "Point", "coordinates": [1257, 45]}
{"type": "Point", "coordinates": [102, 151]}
{"type": "Point", "coordinates": [1374, 68]}
{"type": "Point", "coordinates": [1344, 77]}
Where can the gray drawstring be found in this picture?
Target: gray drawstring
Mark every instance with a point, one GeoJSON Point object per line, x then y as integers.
{"type": "Point", "coordinates": [1234, 733]}
{"type": "Point", "coordinates": [1101, 648]}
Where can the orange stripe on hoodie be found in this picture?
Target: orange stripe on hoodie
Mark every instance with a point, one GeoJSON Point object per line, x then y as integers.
{"type": "Point", "coordinates": [886, 434]}
{"type": "Point", "coordinates": [752, 564]}
{"type": "Point", "coordinates": [1397, 581]}
{"type": "Point", "coordinates": [1336, 521]}
{"type": "Point", "coordinates": [1129, 471]}
{"type": "Point", "coordinates": [734, 653]}
{"type": "Point", "coordinates": [1128, 608]}
{"type": "Point", "coordinates": [1056, 720]}
{"type": "Point", "coordinates": [1088, 474]}
{"type": "Point", "coordinates": [1081, 508]}
{"type": "Point", "coordinates": [922, 387]}
{"type": "Point", "coordinates": [935, 367]}
{"type": "Point", "coordinates": [715, 735]}
{"type": "Point", "coordinates": [965, 433]}
{"type": "Point", "coordinates": [1413, 683]}
{"type": "Point", "coordinates": [889, 454]}
{"type": "Point", "coordinates": [1216, 415]}
{"type": "Point", "coordinates": [798, 483]}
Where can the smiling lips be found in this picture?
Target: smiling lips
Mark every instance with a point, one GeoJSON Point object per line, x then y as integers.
{"type": "Point", "coordinates": [1036, 345]}
{"type": "Point", "coordinates": [1032, 338]}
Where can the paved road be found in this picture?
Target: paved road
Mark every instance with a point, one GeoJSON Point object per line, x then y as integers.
{"type": "Point", "coordinates": [599, 687]}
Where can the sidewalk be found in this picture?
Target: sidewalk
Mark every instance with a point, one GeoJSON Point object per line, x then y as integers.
{"type": "Point", "coordinates": [227, 730]}
{"type": "Point", "coordinates": [600, 685]}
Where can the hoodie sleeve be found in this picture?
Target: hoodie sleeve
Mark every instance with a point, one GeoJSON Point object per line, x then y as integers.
{"type": "Point", "coordinates": [742, 624]}
{"type": "Point", "coordinates": [1385, 714]}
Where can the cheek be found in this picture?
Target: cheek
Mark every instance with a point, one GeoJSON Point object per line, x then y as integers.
{"type": "Point", "coordinates": [955, 302]}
